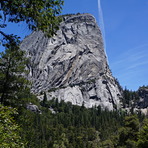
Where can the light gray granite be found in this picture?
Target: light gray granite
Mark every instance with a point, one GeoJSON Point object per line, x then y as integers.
{"type": "Point", "coordinates": [72, 65]}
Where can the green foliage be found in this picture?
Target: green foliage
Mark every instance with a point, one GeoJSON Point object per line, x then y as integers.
{"type": "Point", "coordinates": [107, 144]}
{"type": "Point", "coordinates": [62, 142]}
{"type": "Point", "coordinates": [128, 134]}
{"type": "Point", "coordinates": [71, 126]}
{"type": "Point", "coordinates": [143, 135]}
{"type": "Point", "coordinates": [12, 68]}
{"type": "Point", "coordinates": [78, 127]}
{"type": "Point", "coordinates": [38, 14]}
{"type": "Point", "coordinates": [9, 130]}
{"type": "Point", "coordinates": [44, 102]}
{"type": "Point", "coordinates": [130, 98]}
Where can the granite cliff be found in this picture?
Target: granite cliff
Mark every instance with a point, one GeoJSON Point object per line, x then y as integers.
{"type": "Point", "coordinates": [142, 103]}
{"type": "Point", "coordinates": [143, 97]}
{"type": "Point", "coordinates": [72, 65]}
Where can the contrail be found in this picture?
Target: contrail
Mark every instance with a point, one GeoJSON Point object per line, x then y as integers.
{"type": "Point", "coordinates": [101, 24]}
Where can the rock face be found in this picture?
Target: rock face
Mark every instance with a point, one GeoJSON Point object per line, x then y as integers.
{"type": "Point", "coordinates": [72, 65]}
{"type": "Point", "coordinates": [33, 108]}
{"type": "Point", "coordinates": [143, 97]}
{"type": "Point", "coordinates": [142, 103]}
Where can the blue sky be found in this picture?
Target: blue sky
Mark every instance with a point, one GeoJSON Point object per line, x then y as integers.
{"type": "Point", "coordinates": [126, 36]}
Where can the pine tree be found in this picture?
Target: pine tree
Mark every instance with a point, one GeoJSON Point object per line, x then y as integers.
{"type": "Point", "coordinates": [143, 135]}
{"type": "Point", "coordinates": [38, 15]}
{"type": "Point", "coordinates": [9, 130]}
{"type": "Point", "coordinates": [12, 68]}
{"type": "Point", "coordinates": [45, 99]}
{"type": "Point", "coordinates": [128, 135]}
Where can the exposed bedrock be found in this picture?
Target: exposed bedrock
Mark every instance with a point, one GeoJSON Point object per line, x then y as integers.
{"type": "Point", "coordinates": [72, 65]}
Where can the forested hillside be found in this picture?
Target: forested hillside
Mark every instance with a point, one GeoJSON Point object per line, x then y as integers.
{"type": "Point", "coordinates": [27, 122]}
{"type": "Point", "coordinates": [63, 125]}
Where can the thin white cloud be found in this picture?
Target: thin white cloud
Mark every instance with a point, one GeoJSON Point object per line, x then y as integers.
{"type": "Point", "coordinates": [140, 47]}
{"type": "Point", "coordinates": [131, 65]}
{"type": "Point", "coordinates": [132, 56]}
{"type": "Point", "coordinates": [136, 65]}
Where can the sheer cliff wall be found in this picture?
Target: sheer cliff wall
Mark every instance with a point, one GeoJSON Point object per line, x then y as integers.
{"type": "Point", "coordinates": [72, 65]}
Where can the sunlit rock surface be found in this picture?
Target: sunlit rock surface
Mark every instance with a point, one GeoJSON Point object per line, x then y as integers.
{"type": "Point", "coordinates": [72, 65]}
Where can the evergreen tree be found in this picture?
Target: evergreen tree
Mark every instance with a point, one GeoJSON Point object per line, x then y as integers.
{"type": "Point", "coordinates": [143, 135]}
{"type": "Point", "coordinates": [128, 135]}
{"type": "Point", "coordinates": [44, 99]}
{"type": "Point", "coordinates": [38, 15]}
{"type": "Point", "coordinates": [12, 68]}
{"type": "Point", "coordinates": [9, 130]}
